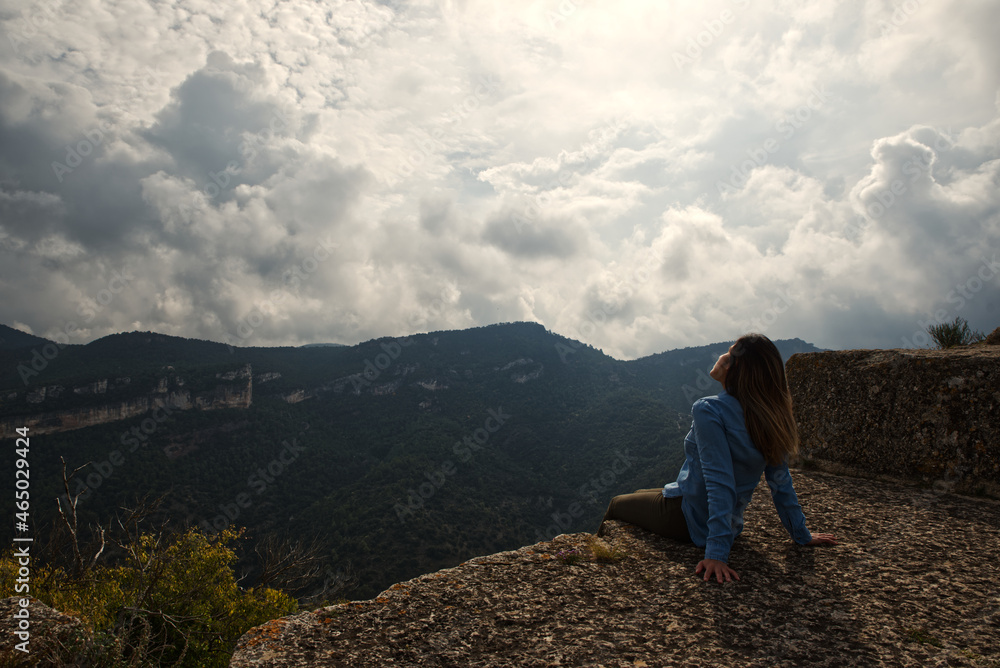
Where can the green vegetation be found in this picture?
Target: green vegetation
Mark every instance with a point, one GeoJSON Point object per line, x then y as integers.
{"type": "Point", "coordinates": [604, 553]}
{"type": "Point", "coordinates": [957, 333]}
{"type": "Point", "coordinates": [167, 601]}
{"type": "Point", "coordinates": [569, 557]}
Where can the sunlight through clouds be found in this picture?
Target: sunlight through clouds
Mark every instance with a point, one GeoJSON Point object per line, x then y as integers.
{"type": "Point", "coordinates": [637, 175]}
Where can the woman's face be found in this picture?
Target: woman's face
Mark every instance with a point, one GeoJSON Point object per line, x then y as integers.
{"type": "Point", "coordinates": [722, 365]}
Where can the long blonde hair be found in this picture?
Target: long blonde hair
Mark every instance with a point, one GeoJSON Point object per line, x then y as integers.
{"type": "Point", "coordinates": [756, 377]}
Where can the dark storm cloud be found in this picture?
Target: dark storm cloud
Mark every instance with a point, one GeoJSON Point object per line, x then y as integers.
{"type": "Point", "coordinates": [218, 118]}
{"type": "Point", "coordinates": [550, 237]}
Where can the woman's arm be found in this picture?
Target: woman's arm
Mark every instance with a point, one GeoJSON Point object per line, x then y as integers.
{"type": "Point", "coordinates": [720, 481]}
{"type": "Point", "coordinates": [779, 480]}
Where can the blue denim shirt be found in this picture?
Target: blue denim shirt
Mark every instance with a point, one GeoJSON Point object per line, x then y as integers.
{"type": "Point", "coordinates": [721, 471]}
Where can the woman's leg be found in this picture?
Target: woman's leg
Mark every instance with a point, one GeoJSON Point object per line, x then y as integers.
{"type": "Point", "coordinates": [649, 509]}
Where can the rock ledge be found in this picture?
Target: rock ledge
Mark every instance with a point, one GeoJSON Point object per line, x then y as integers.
{"type": "Point", "coordinates": [911, 584]}
{"type": "Point", "coordinates": [921, 415]}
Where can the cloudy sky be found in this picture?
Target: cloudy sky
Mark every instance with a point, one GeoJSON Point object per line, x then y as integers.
{"type": "Point", "coordinates": [637, 175]}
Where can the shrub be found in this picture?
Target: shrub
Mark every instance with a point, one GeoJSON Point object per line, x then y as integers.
{"type": "Point", "coordinates": [957, 333]}
{"type": "Point", "coordinates": [171, 601]}
{"type": "Point", "coordinates": [569, 557]}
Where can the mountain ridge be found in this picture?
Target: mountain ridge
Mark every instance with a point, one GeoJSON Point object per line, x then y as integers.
{"type": "Point", "coordinates": [398, 466]}
{"type": "Point", "coordinates": [13, 339]}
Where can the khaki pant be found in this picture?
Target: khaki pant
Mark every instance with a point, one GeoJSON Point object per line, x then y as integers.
{"type": "Point", "coordinates": [649, 509]}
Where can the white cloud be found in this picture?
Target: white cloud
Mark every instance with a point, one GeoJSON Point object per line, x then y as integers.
{"type": "Point", "coordinates": [350, 170]}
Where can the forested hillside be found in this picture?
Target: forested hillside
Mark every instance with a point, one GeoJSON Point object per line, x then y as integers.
{"type": "Point", "coordinates": [401, 456]}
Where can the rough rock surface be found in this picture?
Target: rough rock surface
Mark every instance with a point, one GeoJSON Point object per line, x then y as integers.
{"type": "Point", "coordinates": [927, 415]}
{"type": "Point", "coordinates": [912, 583]}
{"type": "Point", "coordinates": [52, 635]}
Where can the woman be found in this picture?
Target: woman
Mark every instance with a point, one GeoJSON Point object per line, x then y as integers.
{"type": "Point", "coordinates": [746, 429]}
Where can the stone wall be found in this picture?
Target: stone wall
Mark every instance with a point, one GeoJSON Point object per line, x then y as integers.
{"type": "Point", "coordinates": [926, 415]}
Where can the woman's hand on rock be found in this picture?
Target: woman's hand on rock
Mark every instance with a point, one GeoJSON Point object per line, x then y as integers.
{"type": "Point", "coordinates": [719, 569]}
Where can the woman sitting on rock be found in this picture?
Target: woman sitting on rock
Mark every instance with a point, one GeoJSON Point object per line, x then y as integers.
{"type": "Point", "coordinates": [746, 429]}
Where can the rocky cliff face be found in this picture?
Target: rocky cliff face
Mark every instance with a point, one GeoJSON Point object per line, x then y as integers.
{"type": "Point", "coordinates": [908, 585]}
{"type": "Point", "coordinates": [924, 415]}
{"type": "Point", "coordinates": [171, 392]}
